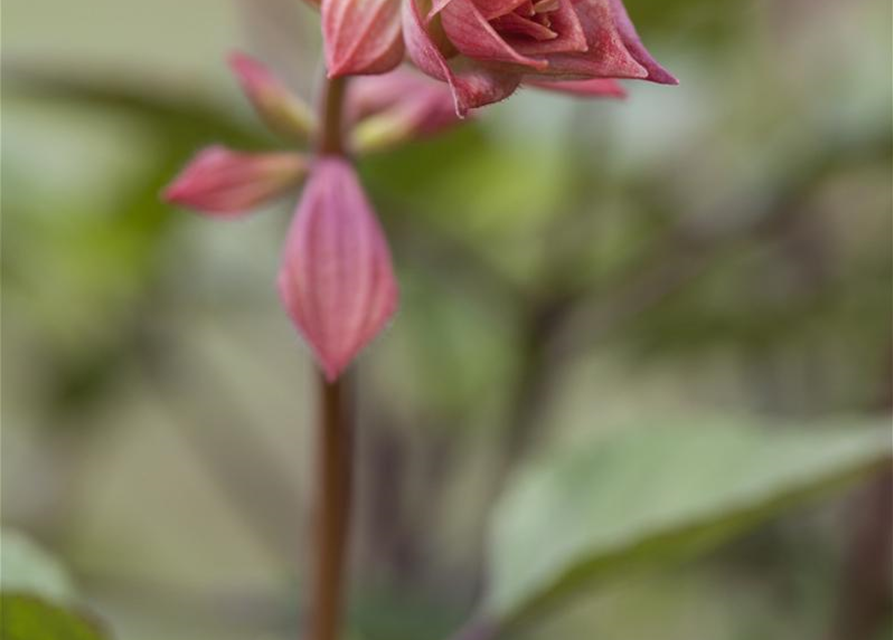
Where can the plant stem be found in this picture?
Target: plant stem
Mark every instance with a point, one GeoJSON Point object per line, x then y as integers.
{"type": "Point", "coordinates": [334, 474]}
{"type": "Point", "coordinates": [335, 461]}
{"type": "Point", "coordinates": [331, 129]}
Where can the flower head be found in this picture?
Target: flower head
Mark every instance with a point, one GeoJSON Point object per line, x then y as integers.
{"type": "Point", "coordinates": [485, 49]}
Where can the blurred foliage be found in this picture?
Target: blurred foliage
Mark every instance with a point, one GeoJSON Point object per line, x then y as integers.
{"type": "Point", "coordinates": [29, 569]}
{"type": "Point", "coordinates": [641, 496]}
{"type": "Point", "coordinates": [721, 247]}
{"type": "Point", "coordinates": [37, 597]}
{"type": "Point", "coordinates": [28, 618]}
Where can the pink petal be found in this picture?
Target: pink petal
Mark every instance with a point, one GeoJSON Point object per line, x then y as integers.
{"type": "Point", "coordinates": [472, 85]}
{"type": "Point", "coordinates": [494, 8]}
{"type": "Point", "coordinates": [633, 43]}
{"type": "Point", "coordinates": [606, 55]}
{"type": "Point", "coordinates": [512, 24]}
{"type": "Point", "coordinates": [361, 36]}
{"type": "Point", "coordinates": [336, 280]}
{"type": "Point", "coordinates": [227, 183]}
{"type": "Point", "coordinates": [596, 88]}
{"type": "Point", "coordinates": [279, 108]}
{"type": "Point", "coordinates": [565, 23]}
{"type": "Point", "coordinates": [436, 7]}
{"type": "Point", "coordinates": [468, 30]}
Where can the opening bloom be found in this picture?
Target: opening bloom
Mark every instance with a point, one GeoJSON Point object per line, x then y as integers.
{"type": "Point", "coordinates": [486, 49]}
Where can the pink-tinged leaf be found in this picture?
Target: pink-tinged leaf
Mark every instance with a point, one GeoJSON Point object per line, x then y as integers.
{"type": "Point", "coordinates": [472, 85]}
{"type": "Point", "coordinates": [470, 32]}
{"type": "Point", "coordinates": [226, 183]}
{"type": "Point", "coordinates": [336, 280]}
{"type": "Point", "coordinates": [361, 36]}
{"type": "Point", "coordinates": [595, 88]}
{"type": "Point", "coordinates": [278, 107]}
{"type": "Point", "coordinates": [656, 73]}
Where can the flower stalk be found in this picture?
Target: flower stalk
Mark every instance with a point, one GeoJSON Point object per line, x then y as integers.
{"type": "Point", "coordinates": [333, 500]}
{"type": "Point", "coordinates": [331, 131]}
{"type": "Point", "coordinates": [334, 471]}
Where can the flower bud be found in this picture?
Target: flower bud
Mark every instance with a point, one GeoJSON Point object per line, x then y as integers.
{"type": "Point", "coordinates": [336, 280]}
{"type": "Point", "coordinates": [226, 183]}
{"type": "Point", "coordinates": [397, 107]}
{"type": "Point", "coordinates": [279, 108]}
{"type": "Point", "coordinates": [361, 36]}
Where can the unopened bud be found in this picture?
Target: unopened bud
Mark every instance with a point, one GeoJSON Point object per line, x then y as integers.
{"type": "Point", "coordinates": [226, 183]}
{"type": "Point", "coordinates": [281, 110]}
{"type": "Point", "coordinates": [336, 280]}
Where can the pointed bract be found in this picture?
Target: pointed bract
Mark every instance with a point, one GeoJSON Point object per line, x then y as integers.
{"type": "Point", "coordinates": [281, 110]}
{"type": "Point", "coordinates": [226, 183]}
{"type": "Point", "coordinates": [336, 280]}
{"type": "Point", "coordinates": [361, 36]}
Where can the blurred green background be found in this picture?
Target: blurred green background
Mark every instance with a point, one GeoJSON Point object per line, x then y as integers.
{"type": "Point", "coordinates": [567, 268]}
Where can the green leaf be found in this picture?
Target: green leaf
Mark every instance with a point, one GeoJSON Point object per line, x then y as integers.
{"type": "Point", "coordinates": [639, 497]}
{"type": "Point", "coordinates": [30, 618]}
{"type": "Point", "coordinates": [37, 596]}
{"type": "Point", "coordinates": [29, 569]}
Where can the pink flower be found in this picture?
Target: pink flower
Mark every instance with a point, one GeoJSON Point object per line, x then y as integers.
{"type": "Point", "coordinates": [485, 49]}
{"type": "Point", "coordinates": [226, 183]}
{"type": "Point", "coordinates": [336, 281]}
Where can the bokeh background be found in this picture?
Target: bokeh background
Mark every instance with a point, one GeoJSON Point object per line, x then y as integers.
{"type": "Point", "coordinates": [719, 248]}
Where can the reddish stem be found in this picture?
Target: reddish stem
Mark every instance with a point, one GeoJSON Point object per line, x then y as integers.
{"type": "Point", "coordinates": [334, 475]}
{"type": "Point", "coordinates": [335, 456]}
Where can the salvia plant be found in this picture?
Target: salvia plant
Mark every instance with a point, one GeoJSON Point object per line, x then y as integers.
{"type": "Point", "coordinates": [396, 71]}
